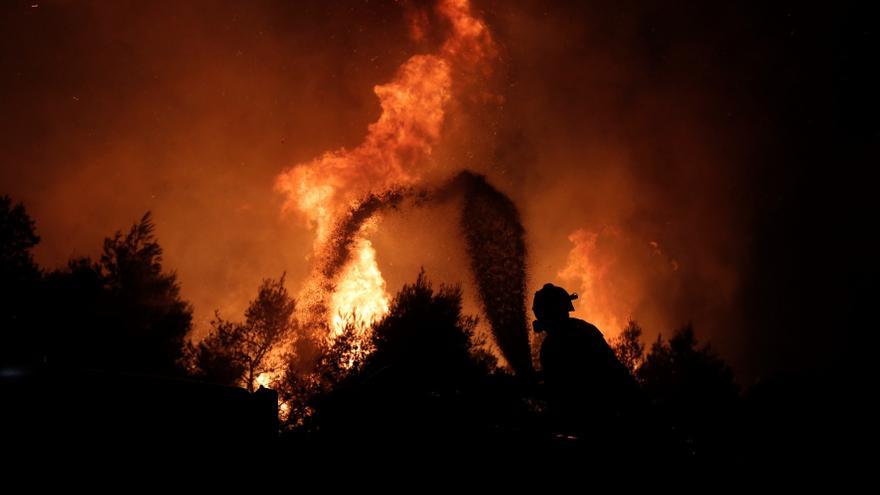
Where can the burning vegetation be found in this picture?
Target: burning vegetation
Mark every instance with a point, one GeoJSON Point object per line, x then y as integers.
{"type": "Point", "coordinates": [630, 155]}
{"type": "Point", "coordinates": [393, 155]}
{"type": "Point", "coordinates": [342, 195]}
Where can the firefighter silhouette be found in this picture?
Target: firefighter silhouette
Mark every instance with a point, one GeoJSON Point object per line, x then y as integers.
{"type": "Point", "coordinates": [586, 385]}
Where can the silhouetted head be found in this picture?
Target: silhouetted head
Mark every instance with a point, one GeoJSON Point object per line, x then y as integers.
{"type": "Point", "coordinates": [552, 304]}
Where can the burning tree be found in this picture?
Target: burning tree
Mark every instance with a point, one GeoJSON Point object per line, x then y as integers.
{"type": "Point", "coordinates": [315, 366]}
{"type": "Point", "coordinates": [247, 352]}
{"type": "Point", "coordinates": [393, 154]}
{"type": "Point", "coordinates": [423, 347]}
{"type": "Point", "coordinates": [628, 347]}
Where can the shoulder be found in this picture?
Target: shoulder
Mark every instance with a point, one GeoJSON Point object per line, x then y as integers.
{"type": "Point", "coordinates": [587, 334]}
{"type": "Point", "coordinates": [583, 327]}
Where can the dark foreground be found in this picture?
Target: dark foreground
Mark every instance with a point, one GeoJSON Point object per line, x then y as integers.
{"type": "Point", "coordinates": [118, 418]}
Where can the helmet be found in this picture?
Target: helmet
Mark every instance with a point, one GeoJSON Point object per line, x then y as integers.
{"type": "Point", "coordinates": [552, 299]}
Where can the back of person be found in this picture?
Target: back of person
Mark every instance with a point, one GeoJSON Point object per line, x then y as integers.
{"type": "Point", "coordinates": [590, 394]}
{"type": "Point", "coordinates": [584, 379]}
{"type": "Point", "coordinates": [576, 351]}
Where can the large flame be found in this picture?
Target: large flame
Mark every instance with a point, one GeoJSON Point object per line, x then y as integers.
{"type": "Point", "coordinates": [360, 298]}
{"type": "Point", "coordinates": [589, 268]}
{"type": "Point", "coordinates": [615, 274]}
{"type": "Point", "coordinates": [412, 114]}
{"type": "Point", "coordinates": [394, 153]}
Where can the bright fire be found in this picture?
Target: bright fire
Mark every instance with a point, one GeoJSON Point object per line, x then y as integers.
{"type": "Point", "coordinates": [360, 298]}
{"type": "Point", "coordinates": [588, 269]}
{"type": "Point", "coordinates": [393, 153]}
{"type": "Point", "coordinates": [619, 277]}
{"type": "Point", "coordinates": [264, 380]}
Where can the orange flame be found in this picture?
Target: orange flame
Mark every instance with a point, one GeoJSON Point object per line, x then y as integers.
{"type": "Point", "coordinates": [588, 270]}
{"type": "Point", "coordinates": [393, 153]}
{"type": "Point", "coordinates": [412, 115]}
{"type": "Point", "coordinates": [360, 298]}
{"type": "Point", "coordinates": [264, 379]}
{"type": "Point", "coordinates": [613, 272]}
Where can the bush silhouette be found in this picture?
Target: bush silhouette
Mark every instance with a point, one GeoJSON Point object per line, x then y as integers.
{"type": "Point", "coordinates": [693, 391]}
{"type": "Point", "coordinates": [422, 381]}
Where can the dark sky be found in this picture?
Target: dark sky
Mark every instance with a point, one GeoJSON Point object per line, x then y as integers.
{"type": "Point", "coordinates": [732, 143]}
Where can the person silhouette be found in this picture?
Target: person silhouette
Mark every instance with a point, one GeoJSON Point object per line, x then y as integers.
{"type": "Point", "coordinates": [586, 385]}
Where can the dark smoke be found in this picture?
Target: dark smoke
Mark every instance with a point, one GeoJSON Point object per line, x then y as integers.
{"type": "Point", "coordinates": [495, 243]}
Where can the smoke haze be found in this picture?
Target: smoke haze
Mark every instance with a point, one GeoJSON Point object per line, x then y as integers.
{"type": "Point", "coordinates": [634, 139]}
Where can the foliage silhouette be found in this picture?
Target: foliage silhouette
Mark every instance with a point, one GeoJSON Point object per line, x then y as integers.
{"type": "Point", "coordinates": [423, 379]}
{"type": "Point", "coordinates": [19, 285]}
{"type": "Point", "coordinates": [217, 358]}
{"type": "Point", "coordinates": [123, 312]}
{"type": "Point", "coordinates": [426, 334]}
{"type": "Point", "coordinates": [425, 382]}
{"type": "Point", "coordinates": [236, 353]}
{"type": "Point", "coordinates": [693, 391]}
{"type": "Point", "coordinates": [17, 238]}
{"type": "Point", "coordinates": [315, 367]}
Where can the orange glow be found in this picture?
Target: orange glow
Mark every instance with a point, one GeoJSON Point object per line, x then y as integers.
{"type": "Point", "coordinates": [589, 271]}
{"type": "Point", "coordinates": [283, 411]}
{"type": "Point", "coordinates": [194, 114]}
{"type": "Point", "coordinates": [471, 39]}
{"type": "Point", "coordinates": [264, 380]}
{"type": "Point", "coordinates": [393, 153]}
{"type": "Point", "coordinates": [617, 276]}
{"type": "Point", "coordinates": [412, 115]}
{"type": "Point", "coordinates": [360, 298]}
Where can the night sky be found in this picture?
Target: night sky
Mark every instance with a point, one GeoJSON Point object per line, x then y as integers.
{"type": "Point", "coordinates": [720, 154]}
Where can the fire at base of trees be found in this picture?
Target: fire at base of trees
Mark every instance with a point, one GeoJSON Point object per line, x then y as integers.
{"type": "Point", "coordinates": [423, 364]}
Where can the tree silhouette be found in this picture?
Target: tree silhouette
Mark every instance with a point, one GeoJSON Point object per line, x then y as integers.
{"type": "Point", "coordinates": [425, 335]}
{"type": "Point", "coordinates": [693, 390]}
{"type": "Point", "coordinates": [628, 347]}
{"type": "Point", "coordinates": [123, 312]}
{"type": "Point", "coordinates": [268, 323]}
{"type": "Point", "coordinates": [19, 283]}
{"type": "Point", "coordinates": [17, 238]}
{"type": "Point", "coordinates": [216, 357]}
{"type": "Point", "coordinates": [315, 367]}
{"type": "Point", "coordinates": [238, 353]}
{"type": "Point", "coordinates": [427, 379]}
